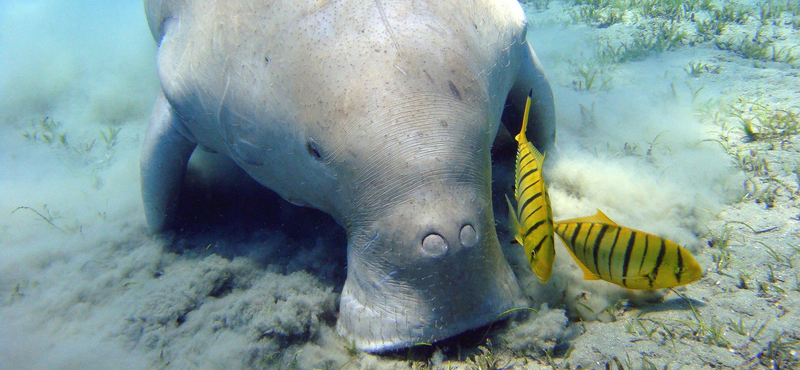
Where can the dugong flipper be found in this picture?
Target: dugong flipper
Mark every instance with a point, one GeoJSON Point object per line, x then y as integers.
{"type": "Point", "coordinates": [167, 148]}
{"type": "Point", "coordinates": [380, 113]}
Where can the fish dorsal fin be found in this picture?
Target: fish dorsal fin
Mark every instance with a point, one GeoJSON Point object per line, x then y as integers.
{"type": "Point", "coordinates": [521, 138]}
{"type": "Point", "coordinates": [603, 219]}
{"type": "Point", "coordinates": [587, 275]}
{"type": "Point", "coordinates": [598, 218]}
{"type": "Point", "coordinates": [539, 157]}
{"type": "Point", "coordinates": [512, 218]}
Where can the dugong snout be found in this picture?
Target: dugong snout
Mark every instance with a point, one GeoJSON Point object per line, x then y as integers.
{"type": "Point", "coordinates": [429, 269]}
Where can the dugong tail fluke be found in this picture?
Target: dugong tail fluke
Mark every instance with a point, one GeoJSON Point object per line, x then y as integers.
{"type": "Point", "coordinates": [382, 114]}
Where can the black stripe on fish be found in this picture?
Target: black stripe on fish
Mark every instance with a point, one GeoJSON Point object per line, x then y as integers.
{"type": "Point", "coordinates": [527, 153]}
{"type": "Point", "coordinates": [539, 246]}
{"type": "Point", "coordinates": [644, 255]}
{"type": "Point", "coordinates": [627, 259]}
{"type": "Point", "coordinates": [596, 248]}
{"type": "Point", "coordinates": [611, 253]}
{"type": "Point", "coordinates": [575, 236]}
{"type": "Point", "coordinates": [531, 214]}
{"type": "Point", "coordinates": [524, 161]}
{"type": "Point", "coordinates": [523, 167]}
{"type": "Point", "coordinates": [562, 230]}
{"type": "Point", "coordinates": [658, 262]}
{"type": "Point", "coordinates": [522, 178]}
{"type": "Point", "coordinates": [680, 266]}
{"type": "Point", "coordinates": [585, 240]}
{"type": "Point", "coordinates": [529, 186]}
{"type": "Point", "coordinates": [534, 227]}
{"type": "Point", "coordinates": [528, 201]}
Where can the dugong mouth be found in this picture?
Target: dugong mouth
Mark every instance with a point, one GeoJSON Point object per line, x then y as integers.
{"type": "Point", "coordinates": [453, 284]}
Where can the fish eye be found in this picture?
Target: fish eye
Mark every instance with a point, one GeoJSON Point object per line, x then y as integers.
{"type": "Point", "coordinates": [313, 149]}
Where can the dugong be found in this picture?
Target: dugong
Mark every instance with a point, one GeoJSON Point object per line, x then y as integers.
{"type": "Point", "coordinates": [381, 113]}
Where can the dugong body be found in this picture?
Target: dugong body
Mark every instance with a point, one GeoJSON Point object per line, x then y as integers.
{"type": "Point", "coordinates": [381, 113]}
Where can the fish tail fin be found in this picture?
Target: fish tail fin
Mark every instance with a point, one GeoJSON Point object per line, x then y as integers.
{"type": "Point", "coordinates": [521, 138]}
{"type": "Point", "coordinates": [512, 218]}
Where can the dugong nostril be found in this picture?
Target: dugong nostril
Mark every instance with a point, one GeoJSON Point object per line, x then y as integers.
{"type": "Point", "coordinates": [468, 236]}
{"type": "Point", "coordinates": [434, 245]}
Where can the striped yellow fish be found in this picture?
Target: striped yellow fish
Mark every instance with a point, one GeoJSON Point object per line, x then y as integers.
{"type": "Point", "coordinates": [626, 257]}
{"type": "Point", "coordinates": [532, 220]}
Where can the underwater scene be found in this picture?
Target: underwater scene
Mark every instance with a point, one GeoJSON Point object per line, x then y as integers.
{"type": "Point", "coordinates": [392, 184]}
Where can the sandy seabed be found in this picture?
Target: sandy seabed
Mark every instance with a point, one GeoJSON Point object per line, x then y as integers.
{"type": "Point", "coordinates": [677, 120]}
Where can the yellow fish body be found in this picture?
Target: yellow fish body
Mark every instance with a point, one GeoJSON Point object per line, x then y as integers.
{"type": "Point", "coordinates": [532, 220]}
{"type": "Point", "coordinates": [629, 258]}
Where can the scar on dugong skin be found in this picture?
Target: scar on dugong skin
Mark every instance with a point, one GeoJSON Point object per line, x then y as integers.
{"type": "Point", "coordinates": [383, 115]}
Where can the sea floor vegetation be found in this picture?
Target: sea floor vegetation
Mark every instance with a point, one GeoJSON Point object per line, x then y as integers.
{"type": "Point", "coordinates": [678, 117]}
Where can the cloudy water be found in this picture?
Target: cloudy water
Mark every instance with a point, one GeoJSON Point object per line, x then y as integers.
{"type": "Point", "coordinates": [679, 119]}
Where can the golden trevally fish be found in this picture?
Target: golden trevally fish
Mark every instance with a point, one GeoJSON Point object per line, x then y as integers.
{"type": "Point", "coordinates": [629, 258]}
{"type": "Point", "coordinates": [532, 220]}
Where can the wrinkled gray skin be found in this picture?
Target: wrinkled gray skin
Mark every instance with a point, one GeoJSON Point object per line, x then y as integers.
{"type": "Point", "coordinates": [381, 113]}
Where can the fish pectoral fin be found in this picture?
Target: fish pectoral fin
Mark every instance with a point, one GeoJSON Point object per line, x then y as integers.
{"type": "Point", "coordinates": [512, 218]}
{"type": "Point", "coordinates": [587, 274]}
{"type": "Point", "coordinates": [598, 218]}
